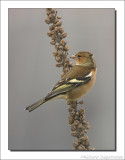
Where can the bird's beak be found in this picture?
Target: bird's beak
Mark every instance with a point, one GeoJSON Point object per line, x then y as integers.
{"type": "Point", "coordinates": [73, 57]}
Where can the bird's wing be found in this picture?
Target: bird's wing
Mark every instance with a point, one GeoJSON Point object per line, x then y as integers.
{"type": "Point", "coordinates": [77, 71]}
{"type": "Point", "coordinates": [77, 74]}
{"type": "Point", "coordinates": [74, 78]}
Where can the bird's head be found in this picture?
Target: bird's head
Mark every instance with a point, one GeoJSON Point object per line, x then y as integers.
{"type": "Point", "coordinates": [82, 58]}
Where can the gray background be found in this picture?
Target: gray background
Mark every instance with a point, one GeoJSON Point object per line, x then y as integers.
{"type": "Point", "coordinates": [32, 74]}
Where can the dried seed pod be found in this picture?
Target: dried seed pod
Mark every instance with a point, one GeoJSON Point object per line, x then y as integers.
{"type": "Point", "coordinates": [82, 133]}
{"type": "Point", "coordinates": [85, 130]}
{"type": "Point", "coordinates": [87, 143]}
{"type": "Point", "coordinates": [55, 53]}
{"type": "Point", "coordinates": [56, 20]}
{"type": "Point", "coordinates": [81, 138]}
{"type": "Point", "coordinates": [74, 133]}
{"type": "Point", "coordinates": [56, 47]}
{"type": "Point", "coordinates": [58, 24]}
{"type": "Point", "coordinates": [77, 113]}
{"type": "Point", "coordinates": [49, 34]}
{"type": "Point", "coordinates": [70, 109]}
{"type": "Point", "coordinates": [66, 60]}
{"type": "Point", "coordinates": [53, 10]}
{"type": "Point", "coordinates": [60, 47]}
{"type": "Point", "coordinates": [76, 122]}
{"type": "Point", "coordinates": [65, 64]}
{"type": "Point", "coordinates": [62, 42]}
{"type": "Point", "coordinates": [81, 102]}
{"type": "Point", "coordinates": [74, 104]}
{"type": "Point", "coordinates": [51, 27]}
{"type": "Point", "coordinates": [75, 144]}
{"type": "Point", "coordinates": [71, 114]}
{"type": "Point", "coordinates": [48, 11]}
{"type": "Point", "coordinates": [82, 111]}
{"type": "Point", "coordinates": [60, 53]}
{"type": "Point", "coordinates": [81, 118]}
{"type": "Point", "coordinates": [58, 65]}
{"type": "Point", "coordinates": [81, 147]}
{"type": "Point", "coordinates": [47, 20]}
{"type": "Point", "coordinates": [87, 123]}
{"type": "Point", "coordinates": [71, 64]}
{"type": "Point", "coordinates": [52, 32]}
{"type": "Point", "coordinates": [74, 148]}
{"type": "Point", "coordinates": [65, 70]}
{"type": "Point", "coordinates": [85, 138]}
{"type": "Point", "coordinates": [57, 58]}
{"type": "Point", "coordinates": [73, 127]}
{"type": "Point", "coordinates": [50, 16]}
{"type": "Point", "coordinates": [53, 37]}
{"type": "Point", "coordinates": [56, 29]}
{"type": "Point", "coordinates": [61, 30]}
{"type": "Point", "coordinates": [69, 102]}
{"type": "Point", "coordinates": [76, 117]}
{"type": "Point", "coordinates": [52, 42]}
{"type": "Point", "coordinates": [66, 48]}
{"type": "Point", "coordinates": [70, 120]}
{"type": "Point", "coordinates": [80, 126]}
{"type": "Point", "coordinates": [88, 126]}
{"type": "Point", "coordinates": [64, 35]}
{"type": "Point", "coordinates": [59, 17]}
{"type": "Point", "coordinates": [83, 121]}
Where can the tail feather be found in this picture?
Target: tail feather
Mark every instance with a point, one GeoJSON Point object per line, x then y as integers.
{"type": "Point", "coordinates": [35, 105]}
{"type": "Point", "coordinates": [49, 97]}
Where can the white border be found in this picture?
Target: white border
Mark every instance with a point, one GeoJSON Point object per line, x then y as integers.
{"type": "Point", "coordinates": [119, 6]}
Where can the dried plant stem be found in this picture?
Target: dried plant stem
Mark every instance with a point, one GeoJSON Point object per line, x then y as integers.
{"type": "Point", "coordinates": [79, 126]}
{"type": "Point", "coordinates": [57, 34]}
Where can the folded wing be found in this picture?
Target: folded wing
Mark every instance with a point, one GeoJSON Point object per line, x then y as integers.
{"type": "Point", "coordinates": [69, 82]}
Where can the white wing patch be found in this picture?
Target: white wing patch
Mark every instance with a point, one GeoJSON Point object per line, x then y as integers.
{"type": "Point", "coordinates": [89, 75]}
{"type": "Point", "coordinates": [78, 80]}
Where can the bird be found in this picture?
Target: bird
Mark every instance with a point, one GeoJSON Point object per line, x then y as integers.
{"type": "Point", "coordinates": [75, 83]}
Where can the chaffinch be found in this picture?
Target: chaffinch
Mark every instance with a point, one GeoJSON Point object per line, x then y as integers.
{"type": "Point", "coordinates": [75, 83]}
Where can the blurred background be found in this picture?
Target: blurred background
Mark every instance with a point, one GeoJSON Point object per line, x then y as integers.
{"type": "Point", "coordinates": [32, 74]}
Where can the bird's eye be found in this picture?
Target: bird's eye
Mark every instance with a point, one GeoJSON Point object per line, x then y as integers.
{"type": "Point", "coordinates": [90, 55]}
{"type": "Point", "coordinates": [79, 56]}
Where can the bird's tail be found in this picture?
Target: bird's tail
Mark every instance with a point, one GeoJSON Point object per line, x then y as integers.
{"type": "Point", "coordinates": [49, 97]}
{"type": "Point", "coordinates": [35, 105]}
